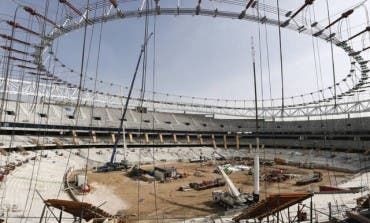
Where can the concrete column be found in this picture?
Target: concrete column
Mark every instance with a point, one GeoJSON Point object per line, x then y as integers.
{"type": "Point", "coordinates": [225, 141]}
{"type": "Point", "coordinates": [213, 141]}
{"type": "Point", "coordinates": [161, 138]}
{"type": "Point", "coordinates": [58, 143]}
{"type": "Point", "coordinates": [237, 141]}
{"type": "Point", "coordinates": [175, 138]}
{"type": "Point", "coordinates": [93, 133]}
{"type": "Point", "coordinates": [130, 138]}
{"type": "Point", "coordinates": [188, 139]}
{"type": "Point", "coordinates": [113, 138]}
{"type": "Point", "coordinates": [200, 139]}
{"type": "Point", "coordinates": [250, 148]}
{"type": "Point", "coordinates": [146, 138]}
{"type": "Point", "coordinates": [75, 137]}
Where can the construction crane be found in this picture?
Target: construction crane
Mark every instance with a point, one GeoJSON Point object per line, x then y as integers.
{"type": "Point", "coordinates": [112, 165]}
{"type": "Point", "coordinates": [233, 197]}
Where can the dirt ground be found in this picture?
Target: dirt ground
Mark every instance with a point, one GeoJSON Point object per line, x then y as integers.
{"type": "Point", "coordinates": [171, 203]}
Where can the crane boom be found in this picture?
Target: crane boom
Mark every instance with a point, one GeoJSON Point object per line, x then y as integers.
{"type": "Point", "coordinates": [127, 101]}
{"type": "Point", "coordinates": [232, 188]}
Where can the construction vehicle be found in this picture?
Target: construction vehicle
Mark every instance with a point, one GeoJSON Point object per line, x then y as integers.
{"type": "Point", "coordinates": [312, 178]}
{"type": "Point", "coordinates": [233, 197]}
{"type": "Point", "coordinates": [114, 166]}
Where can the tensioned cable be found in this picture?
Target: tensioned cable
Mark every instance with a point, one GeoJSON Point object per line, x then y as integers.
{"type": "Point", "coordinates": [61, 118]}
{"type": "Point", "coordinates": [332, 56]}
{"type": "Point", "coordinates": [34, 162]}
{"type": "Point", "coordinates": [260, 59]}
{"type": "Point", "coordinates": [143, 87]}
{"type": "Point", "coordinates": [262, 92]}
{"type": "Point", "coordinates": [93, 103]}
{"type": "Point", "coordinates": [281, 61]}
{"type": "Point", "coordinates": [12, 137]}
{"type": "Point", "coordinates": [43, 28]}
{"type": "Point", "coordinates": [318, 69]}
{"type": "Point", "coordinates": [153, 108]}
{"type": "Point", "coordinates": [82, 62]}
{"type": "Point", "coordinates": [19, 95]}
{"type": "Point", "coordinates": [362, 122]}
{"type": "Point", "coordinates": [270, 92]}
{"type": "Point", "coordinates": [335, 101]}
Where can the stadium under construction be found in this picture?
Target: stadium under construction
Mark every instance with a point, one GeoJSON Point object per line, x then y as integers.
{"type": "Point", "coordinates": [83, 139]}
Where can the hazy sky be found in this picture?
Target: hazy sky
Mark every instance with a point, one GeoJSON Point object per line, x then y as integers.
{"type": "Point", "coordinates": [204, 56]}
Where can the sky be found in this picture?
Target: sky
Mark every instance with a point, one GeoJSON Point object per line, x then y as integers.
{"type": "Point", "coordinates": [199, 56]}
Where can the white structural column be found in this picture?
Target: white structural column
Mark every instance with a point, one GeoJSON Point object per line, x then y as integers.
{"type": "Point", "coordinates": [256, 172]}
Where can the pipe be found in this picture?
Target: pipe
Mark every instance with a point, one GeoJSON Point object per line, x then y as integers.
{"type": "Point", "coordinates": [14, 50]}
{"type": "Point", "coordinates": [18, 59]}
{"type": "Point", "coordinates": [114, 3]}
{"type": "Point", "coordinates": [343, 16]}
{"type": "Point", "coordinates": [16, 25]}
{"type": "Point", "coordinates": [14, 39]}
{"type": "Point", "coordinates": [35, 13]}
{"type": "Point", "coordinates": [26, 67]}
{"type": "Point", "coordinates": [367, 29]}
{"type": "Point", "coordinates": [307, 2]}
{"type": "Point", "coordinates": [71, 7]}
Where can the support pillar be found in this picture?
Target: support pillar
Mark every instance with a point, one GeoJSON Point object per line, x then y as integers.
{"type": "Point", "coordinates": [146, 138]}
{"type": "Point", "coordinates": [161, 138]}
{"type": "Point", "coordinates": [75, 137]}
{"type": "Point", "coordinates": [200, 139]}
{"type": "Point", "coordinates": [225, 141]}
{"type": "Point", "coordinates": [250, 148]}
{"type": "Point", "coordinates": [237, 141]}
{"type": "Point", "coordinates": [175, 138]}
{"type": "Point", "coordinates": [213, 141]}
{"type": "Point", "coordinates": [131, 138]}
{"type": "Point", "coordinates": [188, 139]}
{"type": "Point", "coordinates": [93, 133]}
{"type": "Point", "coordinates": [113, 138]}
